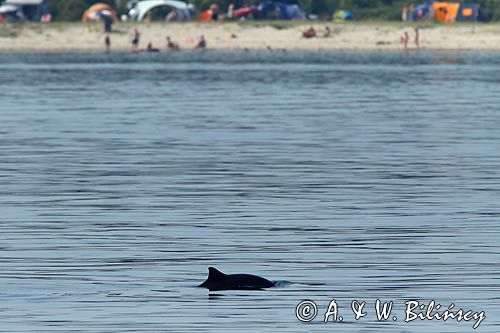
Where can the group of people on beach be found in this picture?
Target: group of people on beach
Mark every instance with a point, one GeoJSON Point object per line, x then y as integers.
{"type": "Point", "coordinates": [170, 45]}
{"type": "Point", "coordinates": [408, 13]}
{"type": "Point", "coordinates": [311, 33]}
{"type": "Point", "coordinates": [201, 44]}
{"type": "Point", "coordinates": [405, 39]}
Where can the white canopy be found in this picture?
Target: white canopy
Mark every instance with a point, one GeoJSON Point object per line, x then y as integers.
{"type": "Point", "coordinates": [24, 2]}
{"type": "Point", "coordinates": [143, 7]}
{"type": "Point", "coordinates": [8, 9]}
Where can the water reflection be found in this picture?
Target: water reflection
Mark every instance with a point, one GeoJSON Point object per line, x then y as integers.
{"type": "Point", "coordinates": [353, 176]}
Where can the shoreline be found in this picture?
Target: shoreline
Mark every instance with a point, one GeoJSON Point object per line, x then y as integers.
{"type": "Point", "coordinates": [377, 37]}
{"type": "Point", "coordinates": [234, 50]}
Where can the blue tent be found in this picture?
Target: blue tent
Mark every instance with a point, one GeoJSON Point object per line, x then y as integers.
{"type": "Point", "coordinates": [468, 12]}
{"type": "Point", "coordinates": [271, 10]}
{"type": "Point", "coordinates": [342, 15]}
{"type": "Point", "coordinates": [424, 12]}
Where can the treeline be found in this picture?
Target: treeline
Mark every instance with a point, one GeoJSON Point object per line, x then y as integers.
{"type": "Point", "coordinates": [70, 10]}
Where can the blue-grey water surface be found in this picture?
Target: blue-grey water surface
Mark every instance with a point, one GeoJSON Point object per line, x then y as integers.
{"type": "Point", "coordinates": [123, 177]}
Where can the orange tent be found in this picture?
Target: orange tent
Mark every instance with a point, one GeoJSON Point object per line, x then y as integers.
{"type": "Point", "coordinates": [206, 16]}
{"type": "Point", "coordinates": [94, 9]}
{"type": "Point", "coordinates": [446, 12]}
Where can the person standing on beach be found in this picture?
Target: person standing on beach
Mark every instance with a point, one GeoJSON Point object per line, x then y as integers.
{"type": "Point", "coordinates": [108, 22]}
{"type": "Point", "coordinates": [191, 9]}
{"type": "Point", "coordinates": [215, 11]}
{"type": "Point", "coordinates": [417, 38]}
{"type": "Point", "coordinates": [230, 12]}
{"type": "Point", "coordinates": [404, 40]}
{"type": "Point", "coordinates": [107, 43]}
{"type": "Point", "coordinates": [411, 12]}
{"type": "Point", "coordinates": [135, 39]}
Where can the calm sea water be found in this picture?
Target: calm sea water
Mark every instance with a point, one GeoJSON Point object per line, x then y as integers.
{"type": "Point", "coordinates": [123, 177]}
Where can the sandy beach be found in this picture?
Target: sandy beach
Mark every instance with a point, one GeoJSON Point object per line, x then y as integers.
{"type": "Point", "coordinates": [356, 36]}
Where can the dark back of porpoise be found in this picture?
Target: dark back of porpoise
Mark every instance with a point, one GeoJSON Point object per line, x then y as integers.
{"type": "Point", "coordinates": [219, 281]}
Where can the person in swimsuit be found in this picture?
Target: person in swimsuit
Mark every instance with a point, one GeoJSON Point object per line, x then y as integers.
{"type": "Point", "coordinates": [150, 48]}
{"type": "Point", "coordinates": [172, 46]}
{"type": "Point", "coordinates": [202, 43]}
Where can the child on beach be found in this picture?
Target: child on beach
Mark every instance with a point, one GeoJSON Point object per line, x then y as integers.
{"type": "Point", "coordinates": [135, 39]}
{"type": "Point", "coordinates": [417, 38]}
{"type": "Point", "coordinates": [327, 32]}
{"type": "Point", "coordinates": [404, 40]}
{"type": "Point", "coordinates": [107, 43]}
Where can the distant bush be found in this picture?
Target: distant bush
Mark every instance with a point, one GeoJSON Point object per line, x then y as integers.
{"type": "Point", "coordinates": [490, 9]}
{"type": "Point", "coordinates": [71, 10]}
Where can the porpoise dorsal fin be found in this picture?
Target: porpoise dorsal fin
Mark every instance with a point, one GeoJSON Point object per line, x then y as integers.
{"type": "Point", "coordinates": [215, 274]}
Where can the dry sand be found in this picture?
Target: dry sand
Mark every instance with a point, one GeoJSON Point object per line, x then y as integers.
{"type": "Point", "coordinates": [356, 36]}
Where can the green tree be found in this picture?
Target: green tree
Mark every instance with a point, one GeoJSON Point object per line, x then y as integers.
{"type": "Point", "coordinates": [66, 10]}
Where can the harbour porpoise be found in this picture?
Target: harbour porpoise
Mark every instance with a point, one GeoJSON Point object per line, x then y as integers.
{"type": "Point", "coordinates": [219, 281]}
